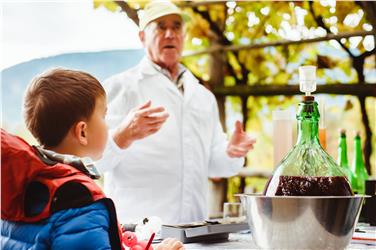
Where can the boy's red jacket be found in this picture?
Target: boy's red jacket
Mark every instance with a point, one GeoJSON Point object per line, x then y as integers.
{"type": "Point", "coordinates": [22, 169]}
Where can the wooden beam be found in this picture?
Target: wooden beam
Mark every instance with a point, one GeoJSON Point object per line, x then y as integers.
{"type": "Point", "coordinates": [190, 4]}
{"type": "Point", "coordinates": [364, 89]}
{"type": "Point", "coordinates": [278, 43]}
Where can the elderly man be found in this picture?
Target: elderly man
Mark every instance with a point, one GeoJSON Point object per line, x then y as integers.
{"type": "Point", "coordinates": [166, 174]}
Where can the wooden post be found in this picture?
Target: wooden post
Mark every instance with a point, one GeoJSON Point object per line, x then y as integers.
{"type": "Point", "coordinates": [218, 186]}
{"type": "Point", "coordinates": [245, 119]}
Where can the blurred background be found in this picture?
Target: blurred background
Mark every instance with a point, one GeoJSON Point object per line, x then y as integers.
{"type": "Point", "coordinates": [247, 53]}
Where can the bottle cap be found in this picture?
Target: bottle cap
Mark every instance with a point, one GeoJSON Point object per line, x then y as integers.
{"type": "Point", "coordinates": [308, 98]}
{"type": "Point", "coordinates": [343, 132]}
{"type": "Point", "coordinates": [307, 79]}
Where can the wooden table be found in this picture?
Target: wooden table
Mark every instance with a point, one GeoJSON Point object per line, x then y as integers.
{"type": "Point", "coordinates": [245, 241]}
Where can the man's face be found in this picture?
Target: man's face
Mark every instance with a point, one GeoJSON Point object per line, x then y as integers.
{"type": "Point", "coordinates": [163, 39]}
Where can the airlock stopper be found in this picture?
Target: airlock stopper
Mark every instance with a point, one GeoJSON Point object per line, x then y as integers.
{"type": "Point", "coordinates": [307, 79]}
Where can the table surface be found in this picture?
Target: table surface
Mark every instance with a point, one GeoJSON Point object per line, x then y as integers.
{"type": "Point", "coordinates": [245, 241]}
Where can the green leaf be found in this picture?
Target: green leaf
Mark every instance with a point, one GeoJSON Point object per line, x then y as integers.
{"type": "Point", "coordinates": [109, 5]}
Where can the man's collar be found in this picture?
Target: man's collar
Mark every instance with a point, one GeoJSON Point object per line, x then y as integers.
{"type": "Point", "coordinates": [151, 68]}
{"type": "Point", "coordinates": [147, 68]}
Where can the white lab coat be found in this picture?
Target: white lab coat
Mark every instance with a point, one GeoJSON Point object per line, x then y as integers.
{"type": "Point", "coordinates": [165, 174]}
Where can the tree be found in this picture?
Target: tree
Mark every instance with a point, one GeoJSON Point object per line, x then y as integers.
{"type": "Point", "coordinates": [223, 35]}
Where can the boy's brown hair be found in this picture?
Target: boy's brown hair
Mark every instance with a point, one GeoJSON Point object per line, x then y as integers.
{"type": "Point", "coordinates": [56, 100]}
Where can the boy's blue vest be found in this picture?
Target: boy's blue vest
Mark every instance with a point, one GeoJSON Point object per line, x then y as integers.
{"type": "Point", "coordinates": [34, 187]}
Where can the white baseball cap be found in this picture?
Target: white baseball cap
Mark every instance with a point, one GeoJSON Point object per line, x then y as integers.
{"type": "Point", "coordinates": [156, 9]}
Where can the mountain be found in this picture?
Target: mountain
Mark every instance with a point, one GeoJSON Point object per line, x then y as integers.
{"type": "Point", "coordinates": [100, 64]}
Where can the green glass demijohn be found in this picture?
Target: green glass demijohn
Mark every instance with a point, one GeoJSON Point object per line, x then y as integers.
{"type": "Point", "coordinates": [308, 170]}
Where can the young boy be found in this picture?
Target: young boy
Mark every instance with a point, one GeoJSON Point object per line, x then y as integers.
{"type": "Point", "coordinates": [59, 206]}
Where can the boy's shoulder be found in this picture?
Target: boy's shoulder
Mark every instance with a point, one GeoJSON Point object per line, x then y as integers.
{"type": "Point", "coordinates": [44, 185]}
{"type": "Point", "coordinates": [71, 194]}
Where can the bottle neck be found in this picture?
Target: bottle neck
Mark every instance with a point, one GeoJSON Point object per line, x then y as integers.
{"type": "Point", "coordinates": [308, 131]}
{"type": "Point", "coordinates": [308, 122]}
{"type": "Point", "coordinates": [342, 152]}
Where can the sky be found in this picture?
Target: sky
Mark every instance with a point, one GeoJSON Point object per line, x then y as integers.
{"type": "Point", "coordinates": [40, 28]}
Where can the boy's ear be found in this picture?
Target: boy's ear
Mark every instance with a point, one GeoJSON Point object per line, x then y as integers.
{"type": "Point", "coordinates": [80, 132]}
{"type": "Point", "coordinates": [141, 35]}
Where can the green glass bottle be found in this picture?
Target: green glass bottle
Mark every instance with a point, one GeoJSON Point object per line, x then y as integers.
{"type": "Point", "coordinates": [358, 167]}
{"type": "Point", "coordinates": [308, 170]}
{"type": "Point", "coordinates": [342, 159]}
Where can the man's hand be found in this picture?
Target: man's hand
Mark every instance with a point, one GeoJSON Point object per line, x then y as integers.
{"type": "Point", "coordinates": [140, 122]}
{"type": "Point", "coordinates": [170, 244]}
{"type": "Point", "coordinates": [240, 142]}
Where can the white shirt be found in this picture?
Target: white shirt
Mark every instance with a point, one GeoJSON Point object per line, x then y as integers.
{"type": "Point", "coordinates": [165, 174]}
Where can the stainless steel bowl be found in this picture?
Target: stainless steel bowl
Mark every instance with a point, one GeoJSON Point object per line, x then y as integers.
{"type": "Point", "coordinates": [302, 222]}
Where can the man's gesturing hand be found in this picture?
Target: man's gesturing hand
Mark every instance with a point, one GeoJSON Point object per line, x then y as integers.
{"type": "Point", "coordinates": [140, 122]}
{"type": "Point", "coordinates": [240, 143]}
